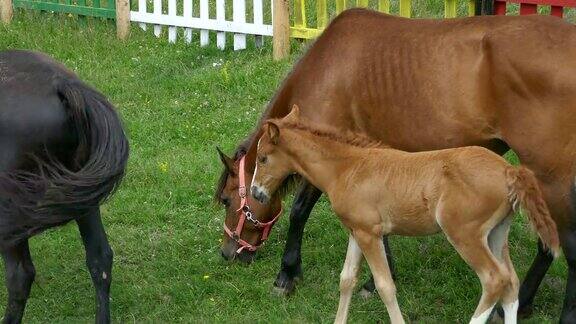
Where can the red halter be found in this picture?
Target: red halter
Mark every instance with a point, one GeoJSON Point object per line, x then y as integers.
{"type": "Point", "coordinates": [246, 214]}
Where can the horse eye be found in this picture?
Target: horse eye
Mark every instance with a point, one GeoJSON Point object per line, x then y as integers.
{"type": "Point", "coordinates": [262, 159]}
{"type": "Point", "coordinates": [225, 202]}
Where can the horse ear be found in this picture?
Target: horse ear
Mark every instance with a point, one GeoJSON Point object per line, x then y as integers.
{"type": "Point", "coordinates": [228, 162]}
{"type": "Point", "coordinates": [273, 133]}
{"type": "Point", "coordinates": [294, 114]}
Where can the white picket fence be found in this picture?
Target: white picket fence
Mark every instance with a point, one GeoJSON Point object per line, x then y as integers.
{"type": "Point", "coordinates": [180, 14]}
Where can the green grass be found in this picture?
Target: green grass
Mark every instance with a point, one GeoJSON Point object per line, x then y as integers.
{"type": "Point", "coordinates": [178, 103]}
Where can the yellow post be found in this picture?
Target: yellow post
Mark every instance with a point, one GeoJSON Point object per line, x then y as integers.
{"type": "Point", "coordinates": [384, 6]}
{"type": "Point", "coordinates": [406, 8]}
{"type": "Point", "coordinates": [6, 11]}
{"type": "Point", "coordinates": [299, 13]}
{"type": "Point", "coordinates": [340, 6]}
{"type": "Point", "coordinates": [281, 30]}
{"type": "Point", "coordinates": [471, 8]}
{"type": "Point", "coordinates": [449, 8]}
{"type": "Point", "coordinates": [321, 13]}
{"type": "Point", "coordinates": [122, 19]}
{"type": "Point", "coordinates": [362, 3]}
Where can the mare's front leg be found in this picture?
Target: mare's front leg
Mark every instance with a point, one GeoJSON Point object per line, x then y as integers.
{"type": "Point", "coordinates": [99, 261]}
{"type": "Point", "coordinates": [291, 268]}
{"type": "Point", "coordinates": [20, 274]}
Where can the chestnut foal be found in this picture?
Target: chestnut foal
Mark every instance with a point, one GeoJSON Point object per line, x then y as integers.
{"type": "Point", "coordinates": [469, 193]}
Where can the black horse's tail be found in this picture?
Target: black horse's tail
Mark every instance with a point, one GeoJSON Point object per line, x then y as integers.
{"type": "Point", "coordinates": [59, 192]}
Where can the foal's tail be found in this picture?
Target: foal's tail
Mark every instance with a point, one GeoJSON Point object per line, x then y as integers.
{"type": "Point", "coordinates": [525, 192]}
{"type": "Point", "coordinates": [63, 191]}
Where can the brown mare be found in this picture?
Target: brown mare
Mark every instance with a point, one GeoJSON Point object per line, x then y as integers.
{"type": "Point", "coordinates": [468, 193]}
{"type": "Point", "coordinates": [416, 84]}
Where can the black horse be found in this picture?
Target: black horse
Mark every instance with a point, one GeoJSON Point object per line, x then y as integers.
{"type": "Point", "coordinates": [63, 151]}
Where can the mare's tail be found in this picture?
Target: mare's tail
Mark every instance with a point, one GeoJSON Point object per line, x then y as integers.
{"type": "Point", "coordinates": [56, 194]}
{"type": "Point", "coordinates": [525, 192]}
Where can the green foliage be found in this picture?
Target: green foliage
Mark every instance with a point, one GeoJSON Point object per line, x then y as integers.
{"type": "Point", "coordinates": [178, 102]}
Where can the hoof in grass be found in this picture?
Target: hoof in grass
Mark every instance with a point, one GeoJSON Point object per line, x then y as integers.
{"type": "Point", "coordinates": [366, 294]}
{"type": "Point", "coordinates": [282, 291]}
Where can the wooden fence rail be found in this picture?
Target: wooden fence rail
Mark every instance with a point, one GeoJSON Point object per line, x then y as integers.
{"type": "Point", "coordinates": [301, 29]}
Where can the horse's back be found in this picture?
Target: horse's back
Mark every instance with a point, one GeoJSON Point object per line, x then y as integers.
{"type": "Point", "coordinates": [412, 74]}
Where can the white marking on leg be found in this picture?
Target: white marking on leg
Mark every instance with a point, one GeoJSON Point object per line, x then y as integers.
{"type": "Point", "coordinates": [510, 311]}
{"type": "Point", "coordinates": [482, 318]}
{"type": "Point", "coordinates": [348, 278]}
{"type": "Point", "coordinates": [104, 275]}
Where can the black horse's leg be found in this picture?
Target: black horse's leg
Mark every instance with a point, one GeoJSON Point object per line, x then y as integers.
{"type": "Point", "coordinates": [369, 287]}
{"type": "Point", "coordinates": [569, 248]}
{"type": "Point", "coordinates": [532, 281]}
{"type": "Point", "coordinates": [291, 268]}
{"type": "Point", "coordinates": [20, 274]}
{"type": "Point", "coordinates": [99, 261]}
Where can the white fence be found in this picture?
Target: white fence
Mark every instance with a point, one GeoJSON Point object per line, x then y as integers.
{"type": "Point", "coordinates": [211, 16]}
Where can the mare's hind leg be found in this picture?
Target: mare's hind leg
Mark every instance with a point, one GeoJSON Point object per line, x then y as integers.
{"type": "Point", "coordinates": [569, 249]}
{"type": "Point", "coordinates": [348, 278]}
{"type": "Point", "coordinates": [20, 274]}
{"type": "Point", "coordinates": [99, 261]}
{"type": "Point", "coordinates": [291, 268]}
{"type": "Point", "coordinates": [532, 281]}
{"type": "Point", "coordinates": [375, 255]}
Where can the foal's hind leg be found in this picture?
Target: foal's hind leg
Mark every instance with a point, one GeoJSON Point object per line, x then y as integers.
{"type": "Point", "coordinates": [348, 278]}
{"type": "Point", "coordinates": [498, 243]}
{"type": "Point", "coordinates": [99, 261]}
{"type": "Point", "coordinates": [493, 275]}
{"type": "Point", "coordinates": [20, 274]}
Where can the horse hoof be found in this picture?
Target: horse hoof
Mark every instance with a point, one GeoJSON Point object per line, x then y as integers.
{"type": "Point", "coordinates": [366, 294]}
{"type": "Point", "coordinates": [285, 286]}
{"type": "Point", "coordinates": [282, 291]}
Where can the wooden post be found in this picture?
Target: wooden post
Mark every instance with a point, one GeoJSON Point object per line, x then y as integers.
{"type": "Point", "coordinates": [122, 19]}
{"type": "Point", "coordinates": [6, 11]}
{"type": "Point", "coordinates": [281, 30]}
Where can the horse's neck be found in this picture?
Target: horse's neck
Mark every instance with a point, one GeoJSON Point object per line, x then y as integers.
{"type": "Point", "coordinates": [320, 160]}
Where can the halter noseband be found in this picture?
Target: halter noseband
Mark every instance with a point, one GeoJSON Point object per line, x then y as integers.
{"type": "Point", "coordinates": [245, 213]}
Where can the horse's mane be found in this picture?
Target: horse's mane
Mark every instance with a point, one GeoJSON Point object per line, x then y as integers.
{"type": "Point", "coordinates": [334, 134]}
{"type": "Point", "coordinates": [277, 102]}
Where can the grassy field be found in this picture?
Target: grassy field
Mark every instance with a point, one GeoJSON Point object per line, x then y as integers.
{"type": "Point", "coordinates": [178, 103]}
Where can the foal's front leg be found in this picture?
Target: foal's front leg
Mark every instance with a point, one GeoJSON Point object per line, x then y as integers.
{"type": "Point", "coordinates": [99, 261]}
{"type": "Point", "coordinates": [348, 278]}
{"type": "Point", "coordinates": [375, 255]}
{"type": "Point", "coordinates": [369, 287]}
{"type": "Point", "coordinates": [20, 274]}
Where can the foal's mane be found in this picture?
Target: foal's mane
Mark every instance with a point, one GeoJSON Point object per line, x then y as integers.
{"type": "Point", "coordinates": [341, 136]}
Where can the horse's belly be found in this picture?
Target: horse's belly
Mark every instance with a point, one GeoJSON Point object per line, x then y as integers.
{"type": "Point", "coordinates": [411, 223]}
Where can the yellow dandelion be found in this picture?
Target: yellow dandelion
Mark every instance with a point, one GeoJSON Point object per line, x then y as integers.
{"type": "Point", "coordinates": [206, 277]}
{"type": "Point", "coordinates": [163, 166]}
